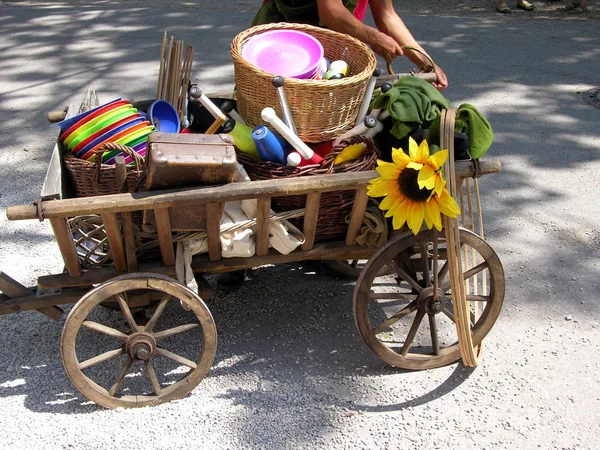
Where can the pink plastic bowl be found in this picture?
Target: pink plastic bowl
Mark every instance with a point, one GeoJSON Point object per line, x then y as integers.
{"type": "Point", "coordinates": [287, 53]}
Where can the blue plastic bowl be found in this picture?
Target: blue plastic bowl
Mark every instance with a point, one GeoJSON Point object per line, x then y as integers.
{"type": "Point", "coordinates": [163, 116]}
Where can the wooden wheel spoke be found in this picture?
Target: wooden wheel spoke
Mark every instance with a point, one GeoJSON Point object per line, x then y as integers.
{"type": "Point", "coordinates": [413, 332]}
{"type": "Point", "coordinates": [449, 314]}
{"type": "Point", "coordinates": [405, 276]}
{"type": "Point", "coordinates": [392, 296]}
{"type": "Point", "coordinates": [124, 371]}
{"type": "Point", "coordinates": [173, 331]}
{"type": "Point", "coordinates": [152, 377]}
{"type": "Point", "coordinates": [442, 274]}
{"type": "Point", "coordinates": [425, 263]}
{"type": "Point", "coordinates": [159, 310]}
{"type": "Point", "coordinates": [177, 358]}
{"type": "Point", "coordinates": [435, 343]}
{"type": "Point", "coordinates": [478, 298]}
{"type": "Point", "coordinates": [100, 358]}
{"type": "Point", "coordinates": [475, 270]}
{"type": "Point", "coordinates": [104, 329]}
{"type": "Point", "coordinates": [127, 312]}
{"type": "Point", "coordinates": [412, 306]}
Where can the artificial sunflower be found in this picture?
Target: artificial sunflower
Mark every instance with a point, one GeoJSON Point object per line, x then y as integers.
{"type": "Point", "coordinates": [414, 188]}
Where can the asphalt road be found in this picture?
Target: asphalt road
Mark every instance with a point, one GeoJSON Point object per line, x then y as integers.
{"type": "Point", "coordinates": [291, 371]}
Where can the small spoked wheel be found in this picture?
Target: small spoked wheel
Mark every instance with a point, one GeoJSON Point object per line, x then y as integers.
{"type": "Point", "coordinates": [407, 317]}
{"type": "Point", "coordinates": [121, 360]}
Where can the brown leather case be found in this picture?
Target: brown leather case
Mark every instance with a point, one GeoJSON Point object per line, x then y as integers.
{"type": "Point", "coordinates": [187, 160]}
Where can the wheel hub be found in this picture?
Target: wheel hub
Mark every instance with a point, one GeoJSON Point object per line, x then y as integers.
{"type": "Point", "coordinates": [140, 346]}
{"type": "Point", "coordinates": [426, 301]}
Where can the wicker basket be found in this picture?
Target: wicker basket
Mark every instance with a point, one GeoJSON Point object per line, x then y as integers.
{"type": "Point", "coordinates": [321, 109]}
{"type": "Point", "coordinates": [91, 179]}
{"type": "Point", "coordinates": [334, 206]}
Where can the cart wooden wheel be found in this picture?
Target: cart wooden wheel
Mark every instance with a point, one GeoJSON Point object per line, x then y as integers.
{"type": "Point", "coordinates": [116, 362]}
{"type": "Point", "coordinates": [407, 318]}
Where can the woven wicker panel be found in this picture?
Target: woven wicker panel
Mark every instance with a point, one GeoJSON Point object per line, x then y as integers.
{"type": "Point", "coordinates": [321, 109]}
{"type": "Point", "coordinates": [91, 179]}
{"type": "Point", "coordinates": [333, 206]}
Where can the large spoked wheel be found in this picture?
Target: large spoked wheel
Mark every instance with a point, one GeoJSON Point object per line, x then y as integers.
{"type": "Point", "coordinates": [407, 318]}
{"type": "Point", "coordinates": [118, 362]}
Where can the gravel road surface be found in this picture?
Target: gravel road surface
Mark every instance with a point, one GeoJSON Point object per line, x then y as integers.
{"type": "Point", "coordinates": [291, 371]}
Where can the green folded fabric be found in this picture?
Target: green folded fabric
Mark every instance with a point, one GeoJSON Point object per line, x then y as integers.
{"type": "Point", "coordinates": [412, 103]}
{"type": "Point", "coordinates": [470, 121]}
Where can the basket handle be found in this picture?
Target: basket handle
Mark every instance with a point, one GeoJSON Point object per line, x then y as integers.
{"type": "Point", "coordinates": [427, 69]}
{"type": "Point", "coordinates": [140, 161]}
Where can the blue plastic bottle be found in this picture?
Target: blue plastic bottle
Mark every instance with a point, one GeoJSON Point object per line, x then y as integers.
{"type": "Point", "coordinates": [270, 147]}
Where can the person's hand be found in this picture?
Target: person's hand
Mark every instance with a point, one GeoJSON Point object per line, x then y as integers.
{"type": "Point", "coordinates": [442, 80]}
{"type": "Point", "coordinates": [385, 46]}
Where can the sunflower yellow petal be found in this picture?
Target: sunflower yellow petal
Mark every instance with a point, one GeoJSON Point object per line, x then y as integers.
{"type": "Point", "coordinates": [400, 215]}
{"type": "Point", "coordinates": [448, 205]}
{"type": "Point", "coordinates": [427, 214]}
{"type": "Point", "coordinates": [438, 159]}
{"type": "Point", "coordinates": [440, 184]}
{"type": "Point", "coordinates": [415, 216]}
{"type": "Point", "coordinates": [414, 165]}
{"type": "Point", "coordinates": [391, 211]}
{"type": "Point", "coordinates": [383, 188]}
{"type": "Point", "coordinates": [400, 158]}
{"type": "Point", "coordinates": [390, 200]}
{"type": "Point", "coordinates": [426, 178]}
{"type": "Point", "coordinates": [390, 172]}
{"type": "Point", "coordinates": [423, 152]}
{"type": "Point", "coordinates": [434, 213]}
{"type": "Point", "coordinates": [413, 149]}
{"type": "Point", "coordinates": [382, 163]}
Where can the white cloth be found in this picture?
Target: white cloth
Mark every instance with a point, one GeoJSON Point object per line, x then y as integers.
{"type": "Point", "coordinates": [238, 243]}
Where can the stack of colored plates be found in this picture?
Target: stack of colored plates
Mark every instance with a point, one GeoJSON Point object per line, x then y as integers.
{"type": "Point", "coordinates": [116, 121]}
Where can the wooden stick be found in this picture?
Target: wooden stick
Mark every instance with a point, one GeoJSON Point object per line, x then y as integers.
{"type": "Point", "coordinates": [161, 67]}
{"type": "Point", "coordinates": [167, 70]}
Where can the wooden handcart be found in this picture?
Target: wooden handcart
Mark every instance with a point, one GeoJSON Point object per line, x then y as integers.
{"type": "Point", "coordinates": [410, 299]}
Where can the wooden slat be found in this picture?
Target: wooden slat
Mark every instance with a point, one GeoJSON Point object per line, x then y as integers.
{"type": "Point", "coordinates": [233, 191]}
{"type": "Point", "coordinates": [52, 187]}
{"type": "Point", "coordinates": [202, 264]}
{"type": "Point", "coordinates": [310, 219]}
{"type": "Point", "coordinates": [16, 291]}
{"type": "Point", "coordinates": [213, 229]}
{"type": "Point", "coordinates": [30, 302]}
{"type": "Point", "coordinates": [64, 239]}
{"type": "Point", "coordinates": [263, 223]}
{"type": "Point", "coordinates": [115, 241]}
{"type": "Point", "coordinates": [165, 237]}
{"type": "Point", "coordinates": [356, 217]}
{"type": "Point", "coordinates": [129, 237]}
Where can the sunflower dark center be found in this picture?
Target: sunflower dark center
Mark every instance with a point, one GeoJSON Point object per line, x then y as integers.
{"type": "Point", "coordinates": [410, 187]}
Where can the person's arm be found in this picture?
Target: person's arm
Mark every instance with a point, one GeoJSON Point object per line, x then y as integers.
{"type": "Point", "coordinates": [389, 22]}
{"type": "Point", "coordinates": [334, 15]}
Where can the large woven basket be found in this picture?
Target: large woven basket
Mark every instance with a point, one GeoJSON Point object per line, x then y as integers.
{"type": "Point", "coordinates": [321, 109]}
{"type": "Point", "coordinates": [334, 206]}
